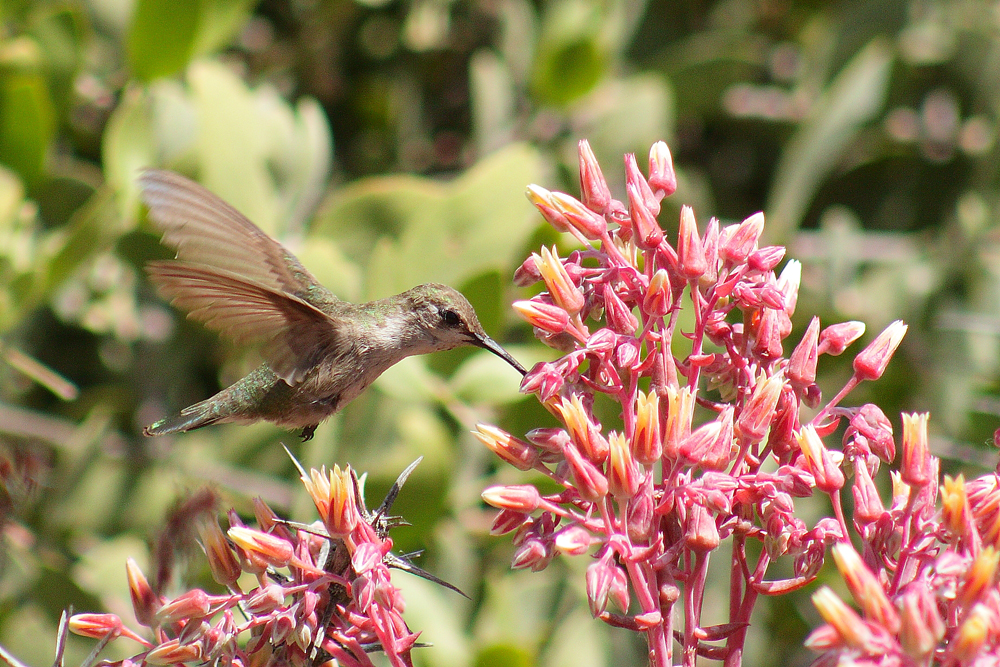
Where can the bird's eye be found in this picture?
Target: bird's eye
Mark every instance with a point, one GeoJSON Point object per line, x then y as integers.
{"type": "Point", "coordinates": [450, 318]}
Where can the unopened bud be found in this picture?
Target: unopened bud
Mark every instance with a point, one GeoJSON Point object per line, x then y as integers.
{"type": "Point", "coordinates": [647, 445]}
{"type": "Point", "coordinates": [546, 316]}
{"type": "Point", "coordinates": [916, 465]}
{"type": "Point", "coordinates": [690, 252]}
{"type": "Point", "coordinates": [871, 362]}
{"type": "Point", "coordinates": [275, 550]}
{"type": "Point", "coordinates": [558, 282]}
{"type": "Point", "coordinates": [743, 240]}
{"type": "Point", "coordinates": [221, 559]}
{"type": "Point", "coordinates": [756, 416]}
{"type": "Point", "coordinates": [865, 587]}
{"type": "Point", "coordinates": [821, 462]}
{"type": "Point", "coordinates": [590, 224]}
{"type": "Point", "coordinates": [658, 297]}
{"type": "Point", "coordinates": [513, 450]}
{"type": "Point", "coordinates": [522, 498]}
{"type": "Point", "coordinates": [624, 475]}
{"type": "Point", "coordinates": [594, 189]}
{"type": "Point", "coordinates": [834, 339]}
{"type": "Point", "coordinates": [646, 230]}
{"type": "Point", "coordinates": [702, 535]}
{"type": "Point", "coordinates": [574, 540]}
{"type": "Point", "coordinates": [801, 370]}
{"type": "Point", "coordinates": [145, 603]}
{"type": "Point", "coordinates": [542, 200]}
{"type": "Point", "coordinates": [662, 178]}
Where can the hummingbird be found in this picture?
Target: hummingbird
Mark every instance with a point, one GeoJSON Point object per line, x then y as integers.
{"type": "Point", "coordinates": [319, 352]}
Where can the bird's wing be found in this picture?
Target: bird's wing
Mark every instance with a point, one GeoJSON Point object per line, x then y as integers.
{"type": "Point", "coordinates": [296, 334]}
{"type": "Point", "coordinates": [203, 229]}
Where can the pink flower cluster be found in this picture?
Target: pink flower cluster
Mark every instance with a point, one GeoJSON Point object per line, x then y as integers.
{"type": "Point", "coordinates": [707, 439]}
{"type": "Point", "coordinates": [323, 592]}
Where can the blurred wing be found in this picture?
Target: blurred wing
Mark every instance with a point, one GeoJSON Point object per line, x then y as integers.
{"type": "Point", "coordinates": [203, 229]}
{"type": "Point", "coordinates": [295, 333]}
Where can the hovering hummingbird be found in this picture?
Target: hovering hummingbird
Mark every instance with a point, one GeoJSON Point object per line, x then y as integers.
{"type": "Point", "coordinates": [319, 352]}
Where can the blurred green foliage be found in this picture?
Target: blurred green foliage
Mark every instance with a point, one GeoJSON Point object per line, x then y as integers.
{"type": "Point", "coordinates": [866, 130]}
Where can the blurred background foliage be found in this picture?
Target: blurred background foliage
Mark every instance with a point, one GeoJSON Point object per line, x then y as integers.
{"type": "Point", "coordinates": [388, 143]}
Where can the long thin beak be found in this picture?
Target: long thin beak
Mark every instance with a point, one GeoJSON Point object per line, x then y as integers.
{"type": "Point", "coordinates": [487, 343]}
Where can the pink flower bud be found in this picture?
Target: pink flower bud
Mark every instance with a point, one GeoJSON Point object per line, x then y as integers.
{"type": "Point", "coordinates": [618, 315]}
{"type": "Point", "coordinates": [639, 519]}
{"type": "Point", "coordinates": [528, 273]}
{"type": "Point", "coordinates": [821, 462]}
{"type": "Point", "coordinates": [174, 653]}
{"type": "Point", "coordinates": [658, 297]}
{"type": "Point", "coordinates": [701, 535]}
{"type": "Point", "coordinates": [690, 252]}
{"type": "Point", "coordinates": [710, 242]}
{"type": "Point", "coordinates": [662, 178]}
{"type": "Point", "coordinates": [193, 604]}
{"type": "Point", "coordinates": [968, 641]}
{"type": "Point", "coordinates": [514, 451]}
{"type": "Point", "coordinates": [544, 379]}
{"type": "Point", "coordinates": [589, 482]}
{"type": "Point", "coordinates": [710, 446]}
{"type": "Point", "coordinates": [542, 200]}
{"type": "Point", "coordinates": [599, 577]}
{"type": "Point", "coordinates": [916, 465]}
{"type": "Point", "coordinates": [868, 507]}
{"type": "Point", "coordinates": [275, 550]}
{"type": "Point", "coordinates": [647, 446]}
{"type": "Point", "coordinates": [145, 603]}
{"type": "Point", "coordinates": [581, 429]}
{"type": "Point", "coordinates": [765, 259]}
{"type": "Point", "coordinates": [756, 416]}
{"type": "Point", "coordinates": [921, 625]}
{"type": "Point", "coordinates": [851, 629]}
{"type": "Point", "coordinates": [265, 600]}
{"type": "Point", "coordinates": [624, 475]}
{"type": "Point", "coordinates": [638, 182]}
{"type": "Point", "coordinates": [546, 316]}
{"type": "Point", "coordinates": [221, 559]}
{"type": "Point", "coordinates": [865, 587]}
{"type": "Point", "coordinates": [646, 230]}
{"type": "Point", "coordinates": [871, 424]}
{"type": "Point", "coordinates": [548, 439]}
{"type": "Point", "coordinates": [95, 626]}
{"type": "Point", "coordinates": [585, 221]}
{"type": "Point", "coordinates": [533, 553]}
{"type": "Point", "coordinates": [522, 498]}
{"type": "Point", "coordinates": [871, 362]}
{"type": "Point", "coordinates": [594, 189]}
{"type": "Point", "coordinates": [835, 338]}
{"type": "Point", "coordinates": [507, 521]}
{"type": "Point", "coordinates": [801, 370]}
{"type": "Point", "coordinates": [558, 282]}
{"type": "Point", "coordinates": [573, 540]}
{"type": "Point", "coordinates": [743, 240]}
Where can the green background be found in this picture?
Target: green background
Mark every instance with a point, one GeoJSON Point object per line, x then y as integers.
{"type": "Point", "coordinates": [389, 143]}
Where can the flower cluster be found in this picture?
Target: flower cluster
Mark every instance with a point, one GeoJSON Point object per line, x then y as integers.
{"type": "Point", "coordinates": [708, 441]}
{"type": "Point", "coordinates": [323, 591]}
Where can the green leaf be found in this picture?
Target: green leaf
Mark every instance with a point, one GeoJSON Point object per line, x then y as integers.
{"type": "Point", "coordinates": [27, 124]}
{"type": "Point", "coordinates": [852, 100]}
{"type": "Point", "coordinates": [129, 145]}
{"type": "Point", "coordinates": [162, 36]}
{"type": "Point", "coordinates": [415, 230]}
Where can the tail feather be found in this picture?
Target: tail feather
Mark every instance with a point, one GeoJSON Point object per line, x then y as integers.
{"type": "Point", "coordinates": [188, 420]}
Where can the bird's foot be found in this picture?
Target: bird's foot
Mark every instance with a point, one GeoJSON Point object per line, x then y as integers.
{"type": "Point", "coordinates": [308, 432]}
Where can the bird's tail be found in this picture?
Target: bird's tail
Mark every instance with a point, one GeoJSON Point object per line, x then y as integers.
{"type": "Point", "coordinates": [190, 418]}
